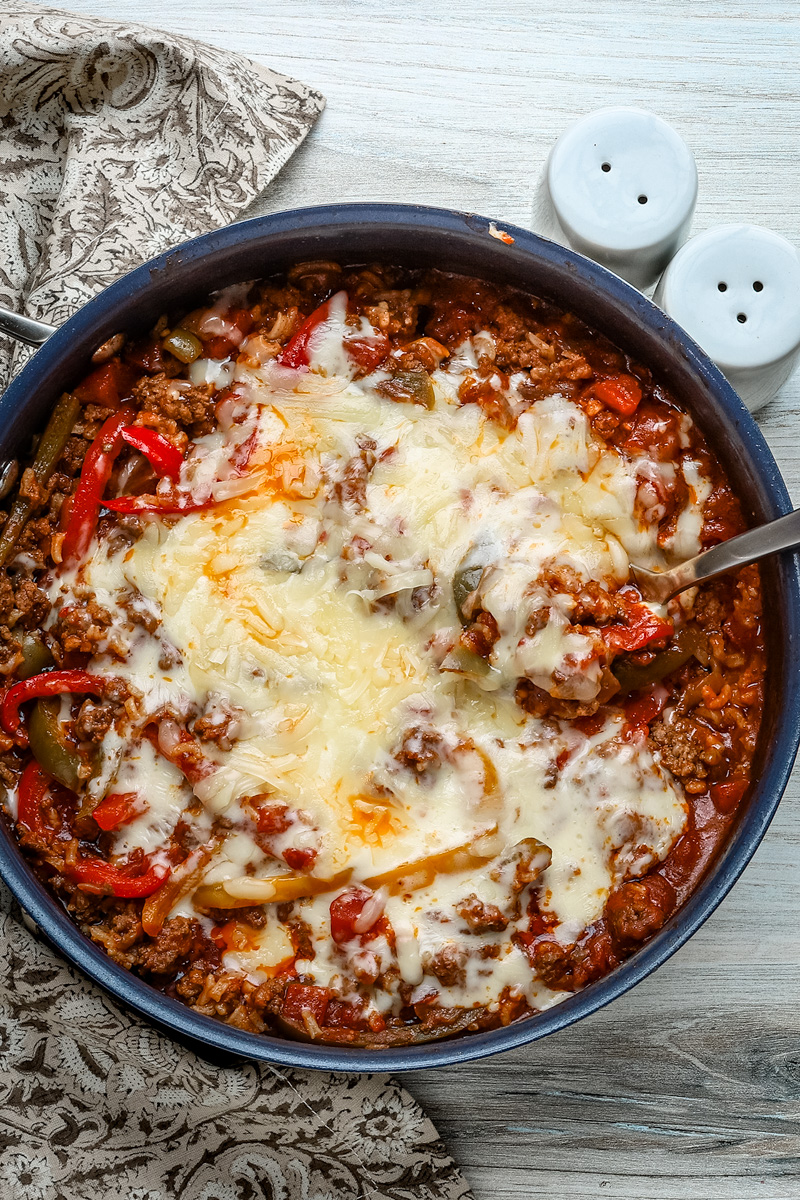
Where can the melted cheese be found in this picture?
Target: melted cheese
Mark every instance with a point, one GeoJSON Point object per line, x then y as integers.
{"type": "Point", "coordinates": [312, 607]}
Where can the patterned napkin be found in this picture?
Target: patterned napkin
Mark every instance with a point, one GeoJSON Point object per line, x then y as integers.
{"type": "Point", "coordinates": [116, 142]}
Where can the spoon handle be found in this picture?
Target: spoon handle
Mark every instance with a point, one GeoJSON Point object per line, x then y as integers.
{"type": "Point", "coordinates": [783, 534]}
{"type": "Point", "coordinates": [23, 329]}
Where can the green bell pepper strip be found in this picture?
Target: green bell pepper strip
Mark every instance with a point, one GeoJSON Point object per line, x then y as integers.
{"type": "Point", "coordinates": [51, 447]}
{"type": "Point", "coordinates": [50, 746]}
{"type": "Point", "coordinates": [685, 645]}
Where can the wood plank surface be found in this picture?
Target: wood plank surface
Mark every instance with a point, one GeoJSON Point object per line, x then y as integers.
{"type": "Point", "coordinates": [689, 1087]}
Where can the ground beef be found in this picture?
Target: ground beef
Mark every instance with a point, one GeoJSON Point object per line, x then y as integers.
{"type": "Point", "coordinates": [420, 749]}
{"type": "Point", "coordinates": [254, 915]}
{"type": "Point", "coordinates": [119, 933]}
{"type": "Point", "coordinates": [192, 407]}
{"type": "Point", "coordinates": [480, 917]}
{"type": "Point", "coordinates": [7, 604]}
{"type": "Point", "coordinates": [351, 489]}
{"type": "Point", "coordinates": [124, 532]}
{"type": "Point", "coordinates": [93, 721]}
{"type": "Point", "coordinates": [570, 968]}
{"type": "Point", "coordinates": [165, 953]}
{"type": "Point", "coordinates": [80, 627]}
{"type": "Point", "coordinates": [190, 986]}
{"type": "Point", "coordinates": [423, 354]}
{"type": "Point", "coordinates": [539, 703]}
{"type": "Point", "coordinates": [681, 747]}
{"type": "Point", "coordinates": [638, 909]}
{"type": "Point", "coordinates": [139, 610]}
{"type": "Point", "coordinates": [10, 652]}
{"type": "Point", "coordinates": [480, 635]}
{"type": "Point", "coordinates": [448, 965]}
{"type": "Point", "coordinates": [31, 605]}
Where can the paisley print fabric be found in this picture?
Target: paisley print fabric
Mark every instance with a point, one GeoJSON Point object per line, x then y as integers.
{"type": "Point", "coordinates": [95, 1104]}
{"type": "Point", "coordinates": [115, 143]}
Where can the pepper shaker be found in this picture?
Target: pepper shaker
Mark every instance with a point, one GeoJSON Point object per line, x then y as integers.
{"type": "Point", "coordinates": [736, 290]}
{"type": "Point", "coordinates": [622, 185]}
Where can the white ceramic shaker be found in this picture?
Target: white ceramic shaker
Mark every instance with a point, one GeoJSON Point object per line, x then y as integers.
{"type": "Point", "coordinates": [622, 186]}
{"type": "Point", "coordinates": [736, 290]}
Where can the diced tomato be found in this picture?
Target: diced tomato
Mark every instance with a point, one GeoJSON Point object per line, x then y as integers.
{"type": "Point", "coordinates": [656, 431]}
{"type": "Point", "coordinates": [107, 385]}
{"type": "Point", "coordinates": [119, 808]}
{"type": "Point", "coordinates": [303, 997]}
{"type": "Point", "coordinates": [147, 355]}
{"type": "Point", "coordinates": [682, 860]}
{"type": "Point", "coordinates": [587, 725]}
{"type": "Point", "coordinates": [299, 860]}
{"type": "Point", "coordinates": [218, 346]}
{"type": "Point", "coordinates": [727, 796]}
{"type": "Point", "coordinates": [273, 819]}
{"type": "Point", "coordinates": [644, 706]}
{"type": "Point", "coordinates": [244, 452]}
{"type": "Point", "coordinates": [341, 1015]}
{"type": "Point", "coordinates": [623, 393]}
{"type": "Point", "coordinates": [368, 352]}
{"type": "Point", "coordinates": [345, 912]}
{"type": "Point", "coordinates": [242, 318]}
{"type": "Point", "coordinates": [641, 626]}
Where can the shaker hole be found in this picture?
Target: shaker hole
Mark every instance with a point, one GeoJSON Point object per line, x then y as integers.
{"type": "Point", "coordinates": [722, 287]}
{"type": "Point", "coordinates": [643, 199]}
{"type": "Point", "coordinates": [605, 167]}
{"type": "Point", "coordinates": [758, 286]}
{"type": "Point", "coordinates": [741, 318]}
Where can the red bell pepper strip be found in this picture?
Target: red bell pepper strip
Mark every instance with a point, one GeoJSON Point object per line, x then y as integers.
{"type": "Point", "coordinates": [103, 878]}
{"type": "Point", "coordinates": [169, 505]}
{"type": "Point", "coordinates": [296, 351]}
{"type": "Point", "coordinates": [119, 808]}
{"type": "Point", "coordinates": [641, 627]}
{"type": "Point", "coordinates": [95, 473]}
{"type": "Point", "coordinates": [49, 683]}
{"type": "Point", "coordinates": [164, 458]}
{"type": "Point", "coordinates": [623, 393]}
{"type": "Point", "coordinates": [34, 785]}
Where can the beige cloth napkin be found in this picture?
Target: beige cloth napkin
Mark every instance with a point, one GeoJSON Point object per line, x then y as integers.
{"type": "Point", "coordinates": [116, 142]}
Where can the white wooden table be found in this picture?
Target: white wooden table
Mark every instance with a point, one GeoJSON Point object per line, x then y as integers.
{"type": "Point", "coordinates": [689, 1087]}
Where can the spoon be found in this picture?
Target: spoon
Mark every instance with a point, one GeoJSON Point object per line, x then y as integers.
{"type": "Point", "coordinates": [660, 586]}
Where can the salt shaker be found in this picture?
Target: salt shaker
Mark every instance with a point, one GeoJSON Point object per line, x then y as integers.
{"type": "Point", "coordinates": [623, 186]}
{"type": "Point", "coordinates": [736, 290]}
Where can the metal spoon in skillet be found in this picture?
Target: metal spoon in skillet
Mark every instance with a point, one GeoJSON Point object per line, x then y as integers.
{"type": "Point", "coordinates": [660, 586]}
